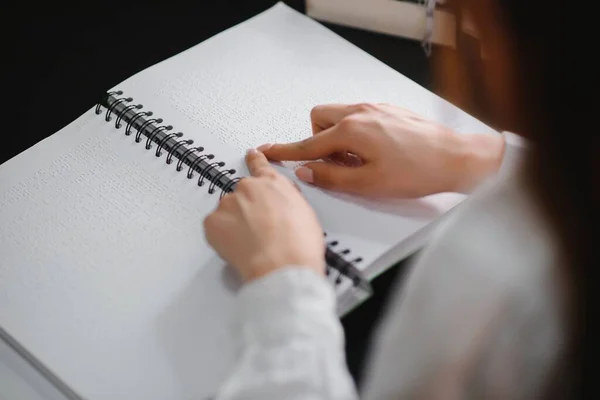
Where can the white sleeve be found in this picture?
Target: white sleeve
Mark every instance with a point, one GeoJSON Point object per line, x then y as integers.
{"type": "Point", "coordinates": [477, 316]}
{"type": "Point", "coordinates": [291, 341]}
{"type": "Point", "coordinates": [435, 336]}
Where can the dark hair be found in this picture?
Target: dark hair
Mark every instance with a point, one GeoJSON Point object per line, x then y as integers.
{"type": "Point", "coordinates": [558, 170]}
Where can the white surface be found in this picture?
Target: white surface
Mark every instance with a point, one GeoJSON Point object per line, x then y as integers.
{"type": "Point", "coordinates": [104, 272]}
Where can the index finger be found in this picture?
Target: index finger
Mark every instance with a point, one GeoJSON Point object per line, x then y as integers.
{"type": "Point", "coordinates": [257, 163]}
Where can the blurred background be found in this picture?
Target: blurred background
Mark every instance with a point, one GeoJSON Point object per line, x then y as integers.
{"type": "Point", "coordinates": [62, 57]}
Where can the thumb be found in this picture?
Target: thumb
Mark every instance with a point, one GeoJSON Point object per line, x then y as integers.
{"type": "Point", "coordinates": [335, 177]}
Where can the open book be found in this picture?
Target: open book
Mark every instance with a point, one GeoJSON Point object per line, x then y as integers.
{"type": "Point", "coordinates": [106, 280]}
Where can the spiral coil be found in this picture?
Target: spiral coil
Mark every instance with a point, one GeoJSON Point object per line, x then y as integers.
{"type": "Point", "coordinates": [155, 132]}
{"type": "Point", "coordinates": [197, 161]}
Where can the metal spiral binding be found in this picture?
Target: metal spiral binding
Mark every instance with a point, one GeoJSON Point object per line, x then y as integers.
{"type": "Point", "coordinates": [202, 163]}
{"type": "Point", "coordinates": [336, 261]}
{"type": "Point", "coordinates": [155, 132]}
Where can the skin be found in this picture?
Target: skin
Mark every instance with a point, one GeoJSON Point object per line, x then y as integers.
{"type": "Point", "coordinates": [369, 150]}
{"type": "Point", "coordinates": [374, 150]}
{"type": "Point", "coordinates": [254, 230]}
{"type": "Point", "coordinates": [379, 150]}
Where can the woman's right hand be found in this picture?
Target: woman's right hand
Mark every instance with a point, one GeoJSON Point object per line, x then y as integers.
{"type": "Point", "coordinates": [379, 150]}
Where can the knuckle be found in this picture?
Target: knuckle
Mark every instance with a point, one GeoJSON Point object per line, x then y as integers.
{"type": "Point", "coordinates": [351, 122]}
{"type": "Point", "coordinates": [268, 172]}
{"type": "Point", "coordinates": [366, 107]}
{"type": "Point", "coordinates": [316, 111]}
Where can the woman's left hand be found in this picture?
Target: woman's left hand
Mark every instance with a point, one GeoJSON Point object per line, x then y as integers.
{"type": "Point", "coordinates": [266, 224]}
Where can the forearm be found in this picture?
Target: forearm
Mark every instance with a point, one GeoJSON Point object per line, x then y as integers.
{"type": "Point", "coordinates": [292, 343]}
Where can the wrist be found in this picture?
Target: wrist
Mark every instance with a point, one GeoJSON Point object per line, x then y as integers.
{"type": "Point", "coordinates": [479, 156]}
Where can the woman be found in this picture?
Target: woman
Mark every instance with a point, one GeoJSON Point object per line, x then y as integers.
{"type": "Point", "coordinates": [490, 309]}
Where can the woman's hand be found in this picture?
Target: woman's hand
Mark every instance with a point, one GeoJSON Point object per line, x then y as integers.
{"type": "Point", "coordinates": [265, 224]}
{"type": "Point", "coordinates": [386, 151]}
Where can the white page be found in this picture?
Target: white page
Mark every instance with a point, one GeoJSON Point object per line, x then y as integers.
{"type": "Point", "coordinates": [104, 273]}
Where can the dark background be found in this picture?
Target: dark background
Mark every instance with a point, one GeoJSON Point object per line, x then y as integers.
{"type": "Point", "coordinates": [61, 59]}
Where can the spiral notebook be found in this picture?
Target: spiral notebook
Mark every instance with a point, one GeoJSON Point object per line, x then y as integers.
{"type": "Point", "coordinates": [107, 284]}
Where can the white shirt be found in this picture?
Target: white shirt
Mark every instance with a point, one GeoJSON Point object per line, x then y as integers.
{"type": "Point", "coordinates": [478, 316]}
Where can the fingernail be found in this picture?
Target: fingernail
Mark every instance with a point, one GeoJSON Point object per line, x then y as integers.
{"type": "Point", "coordinates": [264, 147]}
{"type": "Point", "coordinates": [251, 151]}
{"type": "Point", "coordinates": [305, 174]}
